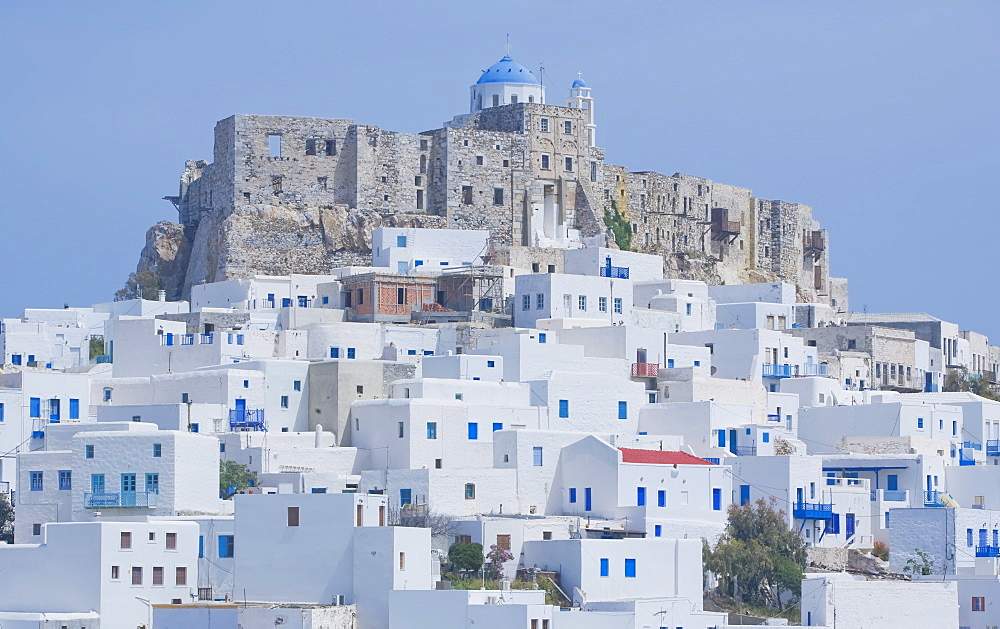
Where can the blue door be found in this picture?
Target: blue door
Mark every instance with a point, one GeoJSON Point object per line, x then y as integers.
{"type": "Point", "coordinates": [744, 494]}
{"type": "Point", "coordinates": [716, 499]}
{"type": "Point", "coordinates": [732, 441]}
{"type": "Point", "coordinates": [587, 502]}
{"type": "Point", "coordinates": [128, 490]}
{"type": "Point", "coordinates": [241, 410]}
{"type": "Point", "coordinates": [892, 482]}
{"type": "Point", "coordinates": [54, 408]}
{"type": "Point", "coordinates": [798, 495]}
{"type": "Point", "coordinates": [849, 524]}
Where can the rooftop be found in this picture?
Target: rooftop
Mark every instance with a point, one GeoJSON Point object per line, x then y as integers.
{"type": "Point", "coordinates": [661, 457]}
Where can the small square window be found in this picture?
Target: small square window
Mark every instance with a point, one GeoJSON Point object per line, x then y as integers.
{"type": "Point", "coordinates": [157, 450]}
{"type": "Point", "coordinates": [297, 385]}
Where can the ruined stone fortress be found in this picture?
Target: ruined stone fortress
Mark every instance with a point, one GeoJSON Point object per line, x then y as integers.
{"type": "Point", "coordinates": [288, 194]}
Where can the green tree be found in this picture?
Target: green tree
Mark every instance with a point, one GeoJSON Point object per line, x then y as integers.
{"type": "Point", "coordinates": [620, 228]}
{"type": "Point", "coordinates": [6, 519]}
{"type": "Point", "coordinates": [234, 478]}
{"type": "Point", "coordinates": [140, 285]}
{"type": "Point", "coordinates": [960, 379]}
{"type": "Point", "coordinates": [466, 556]}
{"type": "Point", "coordinates": [757, 557]}
{"type": "Point", "coordinates": [96, 346]}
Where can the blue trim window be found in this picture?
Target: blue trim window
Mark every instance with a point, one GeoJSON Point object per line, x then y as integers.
{"type": "Point", "coordinates": [968, 532]}
{"type": "Point", "coordinates": [401, 241]}
{"type": "Point", "coordinates": [65, 479]}
{"type": "Point", "coordinates": [128, 482]}
{"type": "Point", "coordinates": [640, 496]}
{"type": "Point", "coordinates": [920, 422]}
{"type": "Point", "coordinates": [536, 456]}
{"type": "Point", "coordinates": [153, 483]}
{"type": "Point", "coordinates": [572, 494]}
{"type": "Point", "coordinates": [765, 437]}
{"type": "Point", "coordinates": [661, 498]}
{"type": "Point", "coordinates": [622, 410]}
{"type": "Point", "coordinates": [657, 530]}
{"type": "Point", "coordinates": [630, 567]}
{"type": "Point", "coordinates": [201, 547]}
{"type": "Point", "coordinates": [296, 385]}
{"type": "Point", "coordinates": [491, 363]}
{"type": "Point", "coordinates": [432, 430]}
{"type": "Point", "coordinates": [670, 363]}
{"type": "Point", "coordinates": [74, 408]}
{"type": "Point", "coordinates": [542, 337]}
{"type": "Point", "coordinates": [588, 499]}
{"type": "Point", "coordinates": [334, 352]}
{"type": "Point", "coordinates": [157, 450]}
{"type": "Point", "coordinates": [526, 302]}
{"type": "Point", "coordinates": [227, 546]}
{"type": "Point", "coordinates": [618, 305]}
{"type": "Point", "coordinates": [564, 408]}
{"type": "Point", "coordinates": [411, 352]}
{"type": "Point", "coordinates": [473, 431]}
{"type": "Point", "coordinates": [88, 452]}
{"type": "Point", "coordinates": [716, 499]}
{"type": "Point", "coordinates": [351, 352]}
{"type": "Point", "coordinates": [38, 484]}
{"type": "Point", "coordinates": [605, 567]}
{"type": "Point", "coordinates": [602, 304]}
{"type": "Point", "coordinates": [540, 302]}
{"type": "Point", "coordinates": [15, 359]}
{"type": "Point", "coordinates": [405, 497]}
{"type": "Point", "coordinates": [497, 426]}
{"type": "Point", "coordinates": [1, 411]}
{"type": "Point", "coordinates": [35, 407]}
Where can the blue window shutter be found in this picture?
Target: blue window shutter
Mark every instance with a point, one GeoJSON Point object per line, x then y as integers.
{"type": "Point", "coordinates": [744, 494]}
{"type": "Point", "coordinates": [622, 410]}
{"type": "Point", "coordinates": [497, 426]}
{"type": "Point", "coordinates": [334, 352]}
{"type": "Point", "coordinates": [563, 408]}
{"type": "Point", "coordinates": [74, 409]}
{"type": "Point", "coordinates": [541, 337]}
{"type": "Point", "coordinates": [661, 498]}
{"type": "Point", "coordinates": [657, 530]}
{"type": "Point", "coordinates": [587, 499]}
{"type": "Point", "coordinates": [201, 546]}
{"type": "Point", "coordinates": [766, 437]}
{"type": "Point", "coordinates": [968, 537]}
{"type": "Point", "coordinates": [35, 407]}
{"type": "Point", "coordinates": [640, 496]}
{"type": "Point", "coordinates": [716, 499]}
{"type": "Point", "coordinates": [572, 494]}
{"type": "Point", "coordinates": [1, 411]}
{"type": "Point", "coordinates": [630, 567]}
{"type": "Point", "coordinates": [722, 438]}
{"type": "Point", "coordinates": [605, 567]}
{"type": "Point", "coordinates": [351, 352]}
{"type": "Point", "coordinates": [473, 430]}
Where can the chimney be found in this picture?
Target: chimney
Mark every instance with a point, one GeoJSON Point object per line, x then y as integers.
{"type": "Point", "coordinates": [161, 295]}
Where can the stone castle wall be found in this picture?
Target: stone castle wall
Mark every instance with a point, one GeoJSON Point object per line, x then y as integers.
{"type": "Point", "coordinates": [312, 206]}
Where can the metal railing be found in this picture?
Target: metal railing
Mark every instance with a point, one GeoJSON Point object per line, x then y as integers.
{"type": "Point", "coordinates": [119, 499]}
{"type": "Point", "coordinates": [711, 459]}
{"type": "Point", "coordinates": [993, 447]}
{"type": "Point", "coordinates": [615, 272]}
{"type": "Point", "coordinates": [645, 370]}
{"type": "Point", "coordinates": [933, 499]}
{"type": "Point", "coordinates": [965, 457]}
{"type": "Point", "coordinates": [812, 510]}
{"type": "Point", "coordinates": [774, 418]}
{"type": "Point", "coordinates": [987, 551]}
{"type": "Point", "coordinates": [971, 445]}
{"type": "Point", "coordinates": [247, 419]}
{"type": "Point", "coordinates": [745, 451]}
{"type": "Point", "coordinates": [813, 369]}
{"type": "Point", "coordinates": [777, 371]}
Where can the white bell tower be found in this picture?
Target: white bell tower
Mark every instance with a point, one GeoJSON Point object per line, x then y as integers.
{"type": "Point", "coordinates": [580, 98]}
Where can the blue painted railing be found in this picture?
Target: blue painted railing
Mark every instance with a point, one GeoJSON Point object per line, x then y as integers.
{"type": "Point", "coordinates": [812, 511]}
{"type": "Point", "coordinates": [774, 418]}
{"type": "Point", "coordinates": [777, 371]}
{"type": "Point", "coordinates": [615, 272]}
{"type": "Point", "coordinates": [993, 447]}
{"type": "Point", "coordinates": [247, 419]}
{"type": "Point", "coordinates": [971, 445]}
{"type": "Point", "coordinates": [987, 551]}
{"type": "Point", "coordinates": [894, 495]}
{"type": "Point", "coordinates": [711, 459]}
{"type": "Point", "coordinates": [933, 499]}
{"type": "Point", "coordinates": [965, 457]}
{"type": "Point", "coordinates": [119, 499]}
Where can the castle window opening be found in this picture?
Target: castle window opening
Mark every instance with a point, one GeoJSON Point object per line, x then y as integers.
{"type": "Point", "coordinates": [331, 147]}
{"type": "Point", "coordinates": [497, 196]}
{"type": "Point", "coordinates": [467, 195]}
{"type": "Point", "coordinates": [416, 180]}
{"type": "Point", "coordinates": [568, 126]}
{"type": "Point", "coordinates": [569, 164]}
{"type": "Point", "coordinates": [479, 160]}
{"type": "Point", "coordinates": [276, 184]}
{"type": "Point", "coordinates": [545, 162]}
{"type": "Point", "coordinates": [310, 147]}
{"type": "Point", "coordinates": [423, 164]}
{"type": "Point", "coordinates": [274, 144]}
{"type": "Point", "coordinates": [420, 199]}
{"type": "Point", "coordinates": [322, 182]}
{"type": "Point", "coordinates": [423, 145]}
{"type": "Point", "coordinates": [465, 143]}
{"type": "Point", "coordinates": [506, 163]}
{"type": "Point", "coordinates": [544, 125]}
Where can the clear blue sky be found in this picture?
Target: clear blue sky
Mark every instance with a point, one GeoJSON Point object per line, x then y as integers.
{"type": "Point", "coordinates": [880, 115]}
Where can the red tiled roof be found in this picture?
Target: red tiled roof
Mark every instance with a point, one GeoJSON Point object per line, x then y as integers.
{"type": "Point", "coordinates": [659, 457]}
